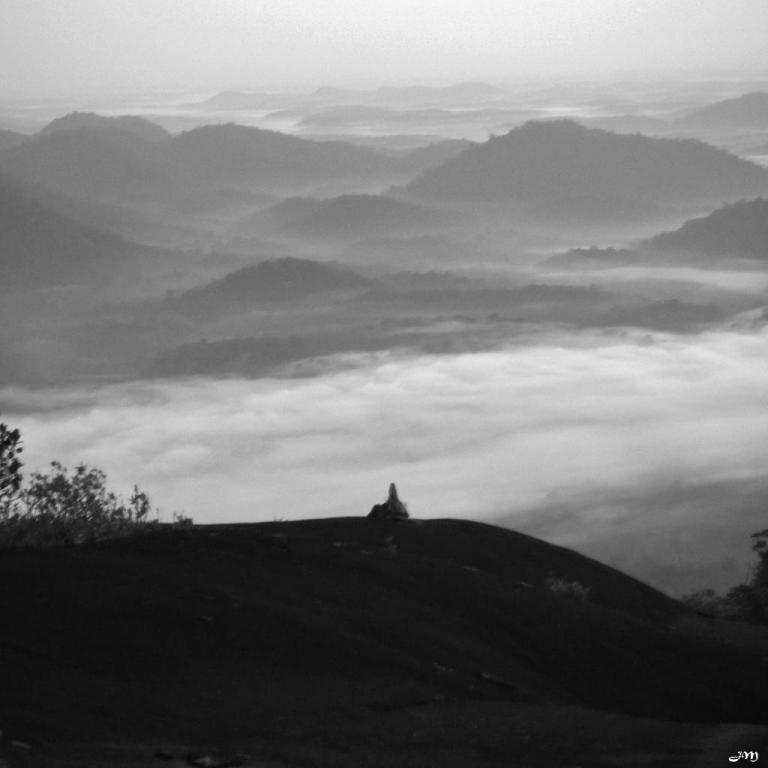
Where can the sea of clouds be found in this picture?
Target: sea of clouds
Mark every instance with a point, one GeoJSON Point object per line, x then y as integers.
{"type": "Point", "coordinates": [647, 452]}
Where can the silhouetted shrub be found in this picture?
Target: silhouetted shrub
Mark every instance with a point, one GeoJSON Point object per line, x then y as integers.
{"type": "Point", "coordinates": [63, 507]}
{"type": "Point", "coordinates": [745, 602]}
{"type": "Point", "coordinates": [760, 577]}
{"type": "Point", "coordinates": [573, 590]}
{"type": "Point", "coordinates": [182, 521]}
{"type": "Point", "coordinates": [705, 601]}
{"type": "Point", "coordinates": [10, 470]}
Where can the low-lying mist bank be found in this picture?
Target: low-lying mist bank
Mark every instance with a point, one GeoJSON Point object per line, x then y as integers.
{"type": "Point", "coordinates": [648, 451]}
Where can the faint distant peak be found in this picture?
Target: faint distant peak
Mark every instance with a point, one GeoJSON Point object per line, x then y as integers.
{"type": "Point", "coordinates": [457, 93]}
{"type": "Point", "coordinates": [457, 89]}
{"type": "Point", "coordinates": [133, 124]}
{"type": "Point", "coordinates": [555, 126]}
{"type": "Point", "coordinates": [231, 132]}
{"type": "Point", "coordinates": [747, 111]}
{"type": "Point", "coordinates": [275, 280]}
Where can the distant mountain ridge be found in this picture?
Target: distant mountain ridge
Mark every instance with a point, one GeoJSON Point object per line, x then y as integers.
{"type": "Point", "coordinates": [231, 152]}
{"type": "Point", "coordinates": [461, 93]}
{"type": "Point", "coordinates": [95, 163]}
{"type": "Point", "coordinates": [138, 126]}
{"type": "Point", "coordinates": [269, 282]}
{"type": "Point", "coordinates": [108, 163]}
{"type": "Point", "coordinates": [747, 111]}
{"type": "Point", "coordinates": [562, 168]}
{"type": "Point", "coordinates": [41, 248]}
{"type": "Point", "coordinates": [354, 215]}
{"type": "Point", "coordinates": [739, 229]}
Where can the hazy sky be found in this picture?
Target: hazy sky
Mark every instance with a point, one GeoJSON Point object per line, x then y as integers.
{"type": "Point", "coordinates": [77, 46]}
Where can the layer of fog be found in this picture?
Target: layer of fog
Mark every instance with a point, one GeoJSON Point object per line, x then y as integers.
{"type": "Point", "coordinates": [578, 440]}
{"type": "Point", "coordinates": [597, 101]}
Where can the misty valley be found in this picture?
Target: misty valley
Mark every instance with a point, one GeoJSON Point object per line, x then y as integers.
{"type": "Point", "coordinates": [383, 385]}
{"type": "Point", "coordinates": [552, 294]}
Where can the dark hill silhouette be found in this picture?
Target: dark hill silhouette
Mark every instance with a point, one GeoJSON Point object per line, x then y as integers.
{"type": "Point", "coordinates": [329, 642]}
{"type": "Point", "coordinates": [10, 139]}
{"type": "Point", "coordinates": [39, 247]}
{"type": "Point", "coordinates": [94, 163]}
{"type": "Point", "coordinates": [269, 282]}
{"type": "Point", "coordinates": [355, 215]}
{"type": "Point", "coordinates": [133, 124]}
{"type": "Point", "coordinates": [747, 111]}
{"type": "Point", "coordinates": [562, 168]}
{"type": "Point", "coordinates": [740, 230]}
{"type": "Point", "coordinates": [234, 153]}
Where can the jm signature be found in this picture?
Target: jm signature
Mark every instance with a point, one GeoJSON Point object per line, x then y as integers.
{"type": "Point", "coordinates": [751, 756]}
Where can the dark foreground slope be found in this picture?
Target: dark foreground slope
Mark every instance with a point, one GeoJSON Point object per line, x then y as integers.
{"type": "Point", "coordinates": [352, 642]}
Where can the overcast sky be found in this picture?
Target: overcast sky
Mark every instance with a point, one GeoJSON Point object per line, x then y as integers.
{"type": "Point", "coordinates": [70, 47]}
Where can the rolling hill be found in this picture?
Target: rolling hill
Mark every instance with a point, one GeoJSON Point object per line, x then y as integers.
{"type": "Point", "coordinates": [351, 642]}
{"type": "Point", "coordinates": [563, 169]}
{"type": "Point", "coordinates": [747, 111]}
{"type": "Point", "coordinates": [232, 153]}
{"type": "Point", "coordinates": [269, 282]}
{"type": "Point", "coordinates": [138, 126]}
{"type": "Point", "coordinates": [109, 164]}
{"type": "Point", "coordinates": [346, 215]}
{"type": "Point", "coordinates": [41, 248]}
{"type": "Point", "coordinates": [101, 164]}
{"type": "Point", "coordinates": [737, 230]}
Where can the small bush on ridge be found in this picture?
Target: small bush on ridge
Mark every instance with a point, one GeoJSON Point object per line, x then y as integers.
{"type": "Point", "coordinates": [744, 602]}
{"type": "Point", "coordinates": [63, 507]}
{"type": "Point", "coordinates": [573, 590]}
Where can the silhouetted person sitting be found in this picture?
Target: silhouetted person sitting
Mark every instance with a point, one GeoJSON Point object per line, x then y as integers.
{"type": "Point", "coordinates": [391, 509]}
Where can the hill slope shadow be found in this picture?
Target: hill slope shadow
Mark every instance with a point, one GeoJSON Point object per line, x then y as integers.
{"type": "Point", "coordinates": [237, 632]}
